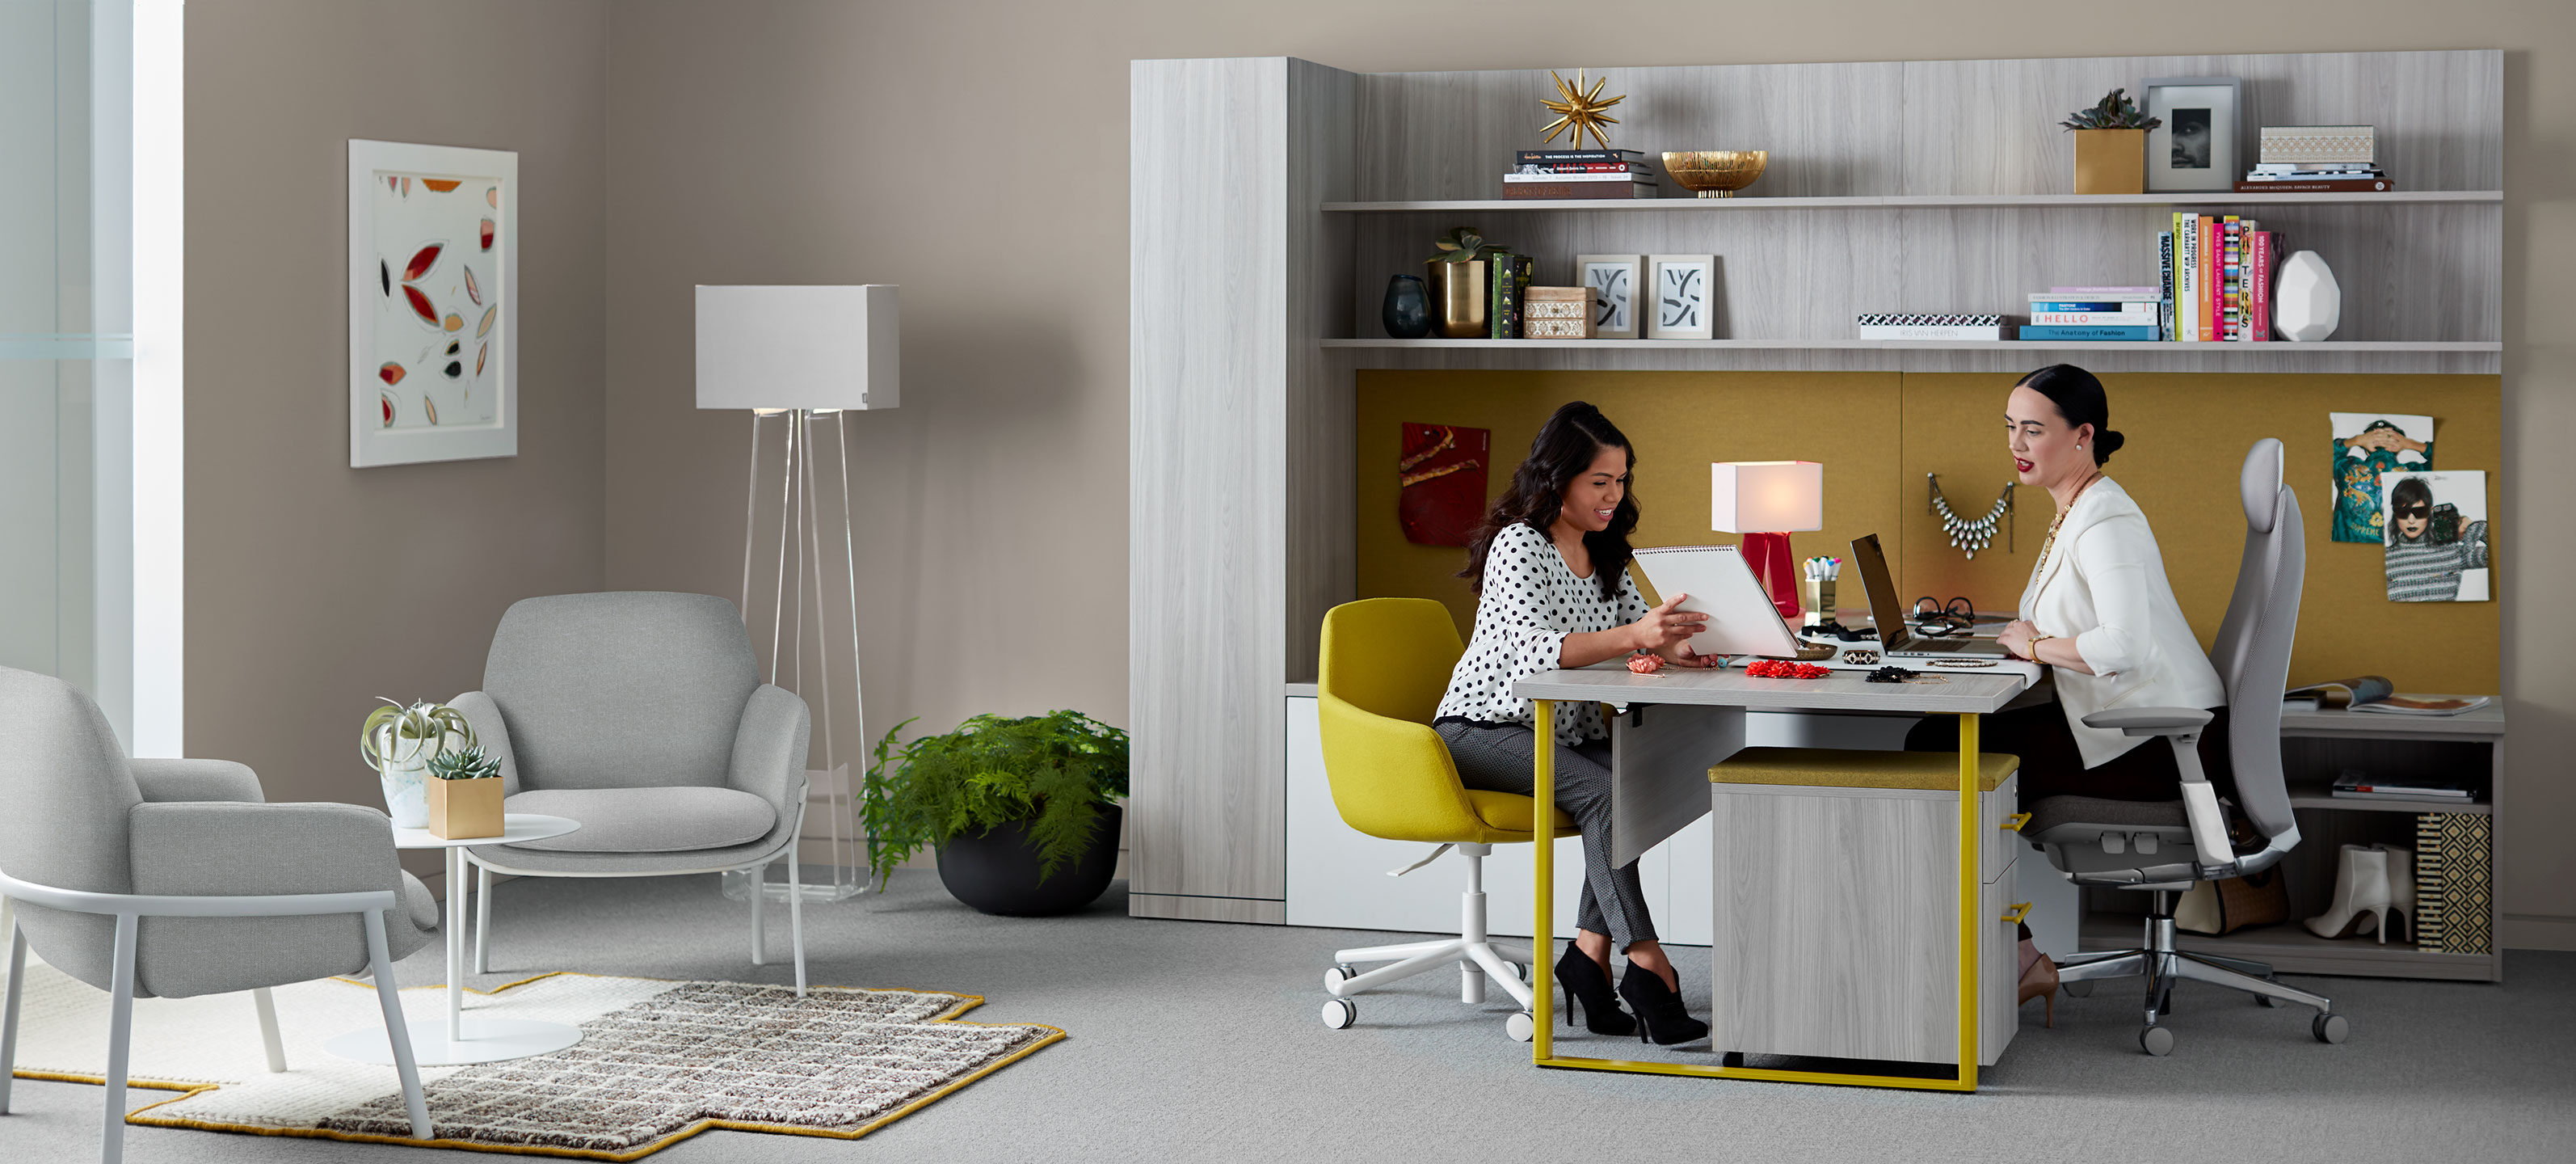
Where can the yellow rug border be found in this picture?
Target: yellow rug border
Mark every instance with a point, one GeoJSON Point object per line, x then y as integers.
{"type": "Point", "coordinates": [189, 1091]}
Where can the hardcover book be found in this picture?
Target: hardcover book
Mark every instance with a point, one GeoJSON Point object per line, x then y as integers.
{"type": "Point", "coordinates": [2325, 186]}
{"type": "Point", "coordinates": [2140, 332]}
{"type": "Point", "coordinates": [1578, 190]}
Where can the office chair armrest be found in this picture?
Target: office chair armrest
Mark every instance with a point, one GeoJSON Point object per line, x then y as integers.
{"type": "Point", "coordinates": [491, 733]}
{"type": "Point", "coordinates": [2150, 721]}
{"type": "Point", "coordinates": [169, 781]}
{"type": "Point", "coordinates": [237, 849]}
{"type": "Point", "coordinates": [769, 749]}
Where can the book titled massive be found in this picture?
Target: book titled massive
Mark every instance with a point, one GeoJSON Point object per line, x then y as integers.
{"type": "Point", "coordinates": [1577, 190]}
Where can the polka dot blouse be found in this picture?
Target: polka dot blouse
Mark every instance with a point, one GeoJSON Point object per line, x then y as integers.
{"type": "Point", "coordinates": [1532, 600]}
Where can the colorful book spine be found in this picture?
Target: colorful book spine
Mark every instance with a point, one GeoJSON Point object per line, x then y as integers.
{"type": "Point", "coordinates": [2145, 318]}
{"type": "Point", "coordinates": [2138, 332]}
{"type": "Point", "coordinates": [2260, 318]}
{"type": "Point", "coordinates": [2144, 306]}
{"type": "Point", "coordinates": [2165, 283]}
{"type": "Point", "coordinates": [2328, 186]}
{"type": "Point", "coordinates": [1578, 176]}
{"type": "Point", "coordinates": [1581, 168]}
{"type": "Point", "coordinates": [2186, 277]}
{"type": "Point", "coordinates": [1578, 190]}
{"type": "Point", "coordinates": [2207, 313]}
{"type": "Point", "coordinates": [2231, 278]}
{"type": "Point", "coordinates": [1510, 276]}
{"type": "Point", "coordinates": [1527, 157]}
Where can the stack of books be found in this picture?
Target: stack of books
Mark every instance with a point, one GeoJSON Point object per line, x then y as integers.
{"type": "Point", "coordinates": [1920, 326]}
{"type": "Point", "coordinates": [2355, 784]}
{"type": "Point", "coordinates": [1580, 174]}
{"type": "Point", "coordinates": [2317, 159]}
{"type": "Point", "coordinates": [2060, 314]}
{"type": "Point", "coordinates": [1511, 275]}
{"type": "Point", "coordinates": [2216, 271]}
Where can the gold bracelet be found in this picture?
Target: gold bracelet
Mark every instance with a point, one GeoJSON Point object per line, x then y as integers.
{"type": "Point", "coordinates": [2035, 641]}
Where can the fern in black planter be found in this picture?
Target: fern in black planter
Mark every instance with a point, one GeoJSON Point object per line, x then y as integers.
{"type": "Point", "coordinates": [1023, 812]}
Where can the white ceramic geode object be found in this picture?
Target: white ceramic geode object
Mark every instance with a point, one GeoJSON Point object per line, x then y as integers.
{"type": "Point", "coordinates": [2306, 302]}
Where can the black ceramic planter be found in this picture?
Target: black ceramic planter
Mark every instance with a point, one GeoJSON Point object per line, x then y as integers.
{"type": "Point", "coordinates": [997, 872]}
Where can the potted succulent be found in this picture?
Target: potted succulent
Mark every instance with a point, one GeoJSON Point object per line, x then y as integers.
{"type": "Point", "coordinates": [1458, 283]}
{"type": "Point", "coordinates": [399, 741]}
{"type": "Point", "coordinates": [2111, 145]}
{"type": "Point", "coordinates": [1023, 812]}
{"type": "Point", "coordinates": [465, 793]}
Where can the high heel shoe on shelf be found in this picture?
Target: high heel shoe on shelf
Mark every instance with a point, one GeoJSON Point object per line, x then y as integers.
{"type": "Point", "coordinates": [1585, 982]}
{"type": "Point", "coordinates": [2401, 890]}
{"type": "Point", "coordinates": [2361, 895]}
{"type": "Point", "coordinates": [2038, 978]}
{"type": "Point", "coordinates": [1659, 1010]}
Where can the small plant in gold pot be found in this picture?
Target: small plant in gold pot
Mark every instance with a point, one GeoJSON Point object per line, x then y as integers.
{"type": "Point", "coordinates": [465, 794]}
{"type": "Point", "coordinates": [1458, 284]}
{"type": "Point", "coordinates": [2111, 145]}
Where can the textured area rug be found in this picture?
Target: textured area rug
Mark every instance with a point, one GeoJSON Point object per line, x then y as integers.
{"type": "Point", "coordinates": [658, 1061]}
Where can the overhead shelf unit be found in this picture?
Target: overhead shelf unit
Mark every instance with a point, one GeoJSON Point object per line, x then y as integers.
{"type": "Point", "coordinates": [1272, 198]}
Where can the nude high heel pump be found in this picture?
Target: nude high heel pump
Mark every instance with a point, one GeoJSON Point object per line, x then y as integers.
{"type": "Point", "coordinates": [2360, 895]}
{"type": "Point", "coordinates": [2401, 889]}
{"type": "Point", "coordinates": [2038, 977]}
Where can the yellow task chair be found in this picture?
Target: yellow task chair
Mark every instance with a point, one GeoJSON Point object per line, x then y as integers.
{"type": "Point", "coordinates": [1386, 662]}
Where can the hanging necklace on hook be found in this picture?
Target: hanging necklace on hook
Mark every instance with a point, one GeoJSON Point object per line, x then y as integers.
{"type": "Point", "coordinates": [1969, 535]}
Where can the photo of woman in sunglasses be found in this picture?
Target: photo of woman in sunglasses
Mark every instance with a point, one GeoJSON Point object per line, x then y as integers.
{"type": "Point", "coordinates": [2437, 537]}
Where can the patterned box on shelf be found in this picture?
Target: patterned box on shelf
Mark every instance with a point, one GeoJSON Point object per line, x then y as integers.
{"type": "Point", "coordinates": [1556, 313]}
{"type": "Point", "coordinates": [2454, 899]}
{"type": "Point", "coordinates": [2317, 144]}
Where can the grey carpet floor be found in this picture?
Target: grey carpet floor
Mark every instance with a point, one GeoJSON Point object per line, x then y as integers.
{"type": "Point", "coordinates": [1201, 1042]}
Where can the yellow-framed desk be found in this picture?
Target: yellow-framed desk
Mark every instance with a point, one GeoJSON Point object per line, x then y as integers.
{"type": "Point", "coordinates": [1671, 728]}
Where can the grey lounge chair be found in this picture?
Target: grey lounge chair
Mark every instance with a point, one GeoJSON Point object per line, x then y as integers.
{"type": "Point", "coordinates": [642, 716]}
{"type": "Point", "coordinates": [172, 878]}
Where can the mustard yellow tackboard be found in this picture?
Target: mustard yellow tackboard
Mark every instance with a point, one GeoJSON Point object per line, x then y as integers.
{"type": "Point", "coordinates": [1879, 433]}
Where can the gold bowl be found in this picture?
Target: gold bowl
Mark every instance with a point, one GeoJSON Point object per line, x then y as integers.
{"type": "Point", "coordinates": [1716, 173]}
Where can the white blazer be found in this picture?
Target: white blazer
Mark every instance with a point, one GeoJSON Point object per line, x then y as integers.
{"type": "Point", "coordinates": [2103, 586]}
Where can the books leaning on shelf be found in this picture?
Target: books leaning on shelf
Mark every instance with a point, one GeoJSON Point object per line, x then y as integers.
{"type": "Point", "coordinates": [2355, 784]}
{"type": "Point", "coordinates": [1921, 326]}
{"type": "Point", "coordinates": [2215, 272]}
{"type": "Point", "coordinates": [1580, 174]}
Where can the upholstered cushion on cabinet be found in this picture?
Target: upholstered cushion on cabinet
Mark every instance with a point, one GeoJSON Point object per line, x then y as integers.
{"type": "Point", "coordinates": [647, 820]}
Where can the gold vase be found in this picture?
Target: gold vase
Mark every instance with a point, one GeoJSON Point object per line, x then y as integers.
{"type": "Point", "coordinates": [2110, 161]}
{"type": "Point", "coordinates": [1459, 290]}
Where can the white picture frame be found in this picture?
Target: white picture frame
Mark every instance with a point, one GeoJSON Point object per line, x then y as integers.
{"type": "Point", "coordinates": [1681, 299]}
{"type": "Point", "coordinates": [1613, 280]}
{"type": "Point", "coordinates": [2197, 146]}
{"type": "Point", "coordinates": [433, 334]}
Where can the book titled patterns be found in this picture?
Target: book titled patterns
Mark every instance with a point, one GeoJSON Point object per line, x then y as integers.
{"type": "Point", "coordinates": [1440, 478]}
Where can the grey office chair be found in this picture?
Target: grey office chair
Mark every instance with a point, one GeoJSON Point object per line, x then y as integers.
{"type": "Point", "coordinates": [2163, 847]}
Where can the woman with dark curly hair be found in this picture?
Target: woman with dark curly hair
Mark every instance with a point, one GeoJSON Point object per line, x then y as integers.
{"type": "Point", "coordinates": [1550, 568]}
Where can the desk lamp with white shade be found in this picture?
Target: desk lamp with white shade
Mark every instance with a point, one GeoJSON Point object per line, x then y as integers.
{"type": "Point", "coordinates": [801, 354]}
{"type": "Point", "coordinates": [1766, 501]}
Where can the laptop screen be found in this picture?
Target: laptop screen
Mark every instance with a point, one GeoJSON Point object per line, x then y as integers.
{"type": "Point", "coordinates": [1886, 611]}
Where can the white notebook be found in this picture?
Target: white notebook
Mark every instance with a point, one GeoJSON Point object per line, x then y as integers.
{"type": "Point", "coordinates": [1741, 619]}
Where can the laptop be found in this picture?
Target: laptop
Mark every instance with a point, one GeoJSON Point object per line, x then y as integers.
{"type": "Point", "coordinates": [1896, 637]}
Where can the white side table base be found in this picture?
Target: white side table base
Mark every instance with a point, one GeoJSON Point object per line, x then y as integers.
{"type": "Point", "coordinates": [486, 1040]}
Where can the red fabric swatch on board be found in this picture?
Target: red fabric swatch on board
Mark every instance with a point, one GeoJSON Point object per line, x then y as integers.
{"type": "Point", "coordinates": [1441, 475]}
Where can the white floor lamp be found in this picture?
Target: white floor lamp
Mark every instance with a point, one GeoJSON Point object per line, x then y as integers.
{"type": "Point", "coordinates": [801, 354]}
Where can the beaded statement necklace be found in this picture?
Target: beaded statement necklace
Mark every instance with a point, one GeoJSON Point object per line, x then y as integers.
{"type": "Point", "coordinates": [2050, 542]}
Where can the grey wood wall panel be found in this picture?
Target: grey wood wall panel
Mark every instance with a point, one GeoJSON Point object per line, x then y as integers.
{"type": "Point", "coordinates": [1323, 564]}
{"type": "Point", "coordinates": [1451, 135]}
{"type": "Point", "coordinates": [1989, 127]}
{"type": "Point", "coordinates": [1208, 352]}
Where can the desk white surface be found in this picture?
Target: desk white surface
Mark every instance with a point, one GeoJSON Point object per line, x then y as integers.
{"type": "Point", "coordinates": [1613, 682]}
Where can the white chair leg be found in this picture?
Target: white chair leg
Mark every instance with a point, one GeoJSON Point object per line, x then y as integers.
{"type": "Point", "coordinates": [796, 913]}
{"type": "Point", "coordinates": [380, 964]}
{"type": "Point", "coordinates": [759, 886]}
{"type": "Point", "coordinates": [482, 919]}
{"type": "Point", "coordinates": [120, 1033]}
{"type": "Point", "coordinates": [9, 1011]}
{"type": "Point", "coordinates": [267, 1007]}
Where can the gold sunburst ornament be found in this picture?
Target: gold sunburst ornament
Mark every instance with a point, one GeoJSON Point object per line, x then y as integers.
{"type": "Point", "coordinates": [1580, 111]}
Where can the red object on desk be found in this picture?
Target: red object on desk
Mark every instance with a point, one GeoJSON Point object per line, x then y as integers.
{"type": "Point", "coordinates": [1775, 568]}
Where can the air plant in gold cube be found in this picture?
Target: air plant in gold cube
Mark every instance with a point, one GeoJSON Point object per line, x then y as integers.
{"type": "Point", "coordinates": [1580, 110]}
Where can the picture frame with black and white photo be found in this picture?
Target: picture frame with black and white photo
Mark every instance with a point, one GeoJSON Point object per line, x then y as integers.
{"type": "Point", "coordinates": [2438, 538]}
{"type": "Point", "coordinates": [2196, 146]}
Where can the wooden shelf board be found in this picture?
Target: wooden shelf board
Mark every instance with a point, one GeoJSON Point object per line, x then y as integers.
{"type": "Point", "coordinates": [2321, 796]}
{"type": "Point", "coordinates": [2483, 722]}
{"type": "Point", "coordinates": [2291, 949]}
{"type": "Point", "coordinates": [1915, 201]}
{"type": "Point", "coordinates": [1627, 345]}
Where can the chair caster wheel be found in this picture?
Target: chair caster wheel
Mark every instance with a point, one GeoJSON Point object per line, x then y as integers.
{"type": "Point", "coordinates": [1335, 977]}
{"type": "Point", "coordinates": [2265, 1000]}
{"type": "Point", "coordinates": [1339, 1014]}
{"type": "Point", "coordinates": [1521, 1026]}
{"type": "Point", "coordinates": [2157, 1041]}
{"type": "Point", "coordinates": [2330, 1027]}
{"type": "Point", "coordinates": [2083, 989]}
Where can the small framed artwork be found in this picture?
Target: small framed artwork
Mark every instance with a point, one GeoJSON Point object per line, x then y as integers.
{"type": "Point", "coordinates": [1614, 280]}
{"type": "Point", "coordinates": [1683, 296]}
{"type": "Point", "coordinates": [433, 303]}
{"type": "Point", "coordinates": [2196, 146]}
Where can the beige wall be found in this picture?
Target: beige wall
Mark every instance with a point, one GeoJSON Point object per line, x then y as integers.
{"type": "Point", "coordinates": [313, 587]}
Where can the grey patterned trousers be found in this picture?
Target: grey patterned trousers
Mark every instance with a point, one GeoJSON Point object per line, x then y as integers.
{"type": "Point", "coordinates": [1496, 758]}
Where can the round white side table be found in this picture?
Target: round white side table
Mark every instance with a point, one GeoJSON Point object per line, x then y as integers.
{"type": "Point", "coordinates": [462, 1039]}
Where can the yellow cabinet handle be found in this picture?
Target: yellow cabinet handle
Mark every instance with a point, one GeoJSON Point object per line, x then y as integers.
{"type": "Point", "coordinates": [2013, 823]}
{"type": "Point", "coordinates": [2020, 910]}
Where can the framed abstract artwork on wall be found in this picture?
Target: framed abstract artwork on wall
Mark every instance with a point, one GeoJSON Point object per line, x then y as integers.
{"type": "Point", "coordinates": [433, 303]}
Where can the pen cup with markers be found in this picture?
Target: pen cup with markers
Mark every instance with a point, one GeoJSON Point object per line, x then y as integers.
{"type": "Point", "coordinates": [1819, 593]}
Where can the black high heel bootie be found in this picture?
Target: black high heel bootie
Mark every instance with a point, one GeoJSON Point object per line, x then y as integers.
{"type": "Point", "coordinates": [1583, 980]}
{"type": "Point", "coordinates": [1658, 1009]}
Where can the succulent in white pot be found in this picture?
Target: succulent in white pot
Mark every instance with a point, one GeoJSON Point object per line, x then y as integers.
{"type": "Point", "coordinates": [399, 741]}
